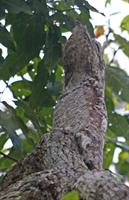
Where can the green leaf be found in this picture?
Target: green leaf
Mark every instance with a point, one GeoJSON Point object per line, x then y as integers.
{"type": "Point", "coordinates": [15, 140]}
{"type": "Point", "coordinates": [5, 38]}
{"type": "Point", "coordinates": [74, 195]}
{"type": "Point", "coordinates": [84, 17]}
{"type": "Point", "coordinates": [123, 165]}
{"type": "Point", "coordinates": [45, 116]}
{"type": "Point", "coordinates": [14, 154]}
{"type": "Point", "coordinates": [32, 36]}
{"type": "Point", "coordinates": [42, 98]}
{"type": "Point", "coordinates": [7, 120]}
{"type": "Point", "coordinates": [118, 81]}
{"type": "Point", "coordinates": [59, 73]}
{"type": "Point", "coordinates": [3, 139]}
{"type": "Point", "coordinates": [109, 149]}
{"type": "Point", "coordinates": [107, 2]}
{"type": "Point", "coordinates": [109, 100]}
{"type": "Point", "coordinates": [27, 147]}
{"type": "Point", "coordinates": [124, 44]}
{"type": "Point", "coordinates": [30, 113]}
{"type": "Point", "coordinates": [39, 93]}
{"type": "Point", "coordinates": [5, 164]}
{"type": "Point", "coordinates": [71, 2]}
{"type": "Point", "coordinates": [39, 7]}
{"type": "Point", "coordinates": [16, 6]}
{"type": "Point", "coordinates": [10, 123]}
{"type": "Point", "coordinates": [2, 11]}
{"type": "Point", "coordinates": [53, 50]}
{"type": "Point", "coordinates": [62, 6]}
{"type": "Point", "coordinates": [127, 1]}
{"type": "Point", "coordinates": [55, 88]}
{"type": "Point", "coordinates": [12, 64]}
{"type": "Point", "coordinates": [85, 5]}
{"type": "Point", "coordinates": [92, 8]}
{"type": "Point", "coordinates": [21, 88]}
{"type": "Point", "coordinates": [1, 57]}
{"type": "Point", "coordinates": [118, 125]}
{"type": "Point", "coordinates": [125, 24]}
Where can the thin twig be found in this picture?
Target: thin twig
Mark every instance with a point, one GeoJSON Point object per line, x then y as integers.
{"type": "Point", "coordinates": [118, 143]}
{"type": "Point", "coordinates": [9, 157]}
{"type": "Point", "coordinates": [62, 10]}
{"type": "Point", "coordinates": [114, 53]}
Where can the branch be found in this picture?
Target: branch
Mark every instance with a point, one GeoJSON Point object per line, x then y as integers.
{"type": "Point", "coordinates": [51, 184]}
{"type": "Point", "coordinates": [101, 185]}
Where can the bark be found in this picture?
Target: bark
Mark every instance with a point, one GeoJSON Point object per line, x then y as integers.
{"type": "Point", "coordinates": [70, 158]}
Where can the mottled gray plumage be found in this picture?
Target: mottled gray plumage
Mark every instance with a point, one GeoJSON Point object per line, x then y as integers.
{"type": "Point", "coordinates": [80, 54]}
{"type": "Point", "coordinates": [82, 107]}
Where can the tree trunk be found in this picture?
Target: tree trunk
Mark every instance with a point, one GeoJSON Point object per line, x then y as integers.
{"type": "Point", "coordinates": [70, 158]}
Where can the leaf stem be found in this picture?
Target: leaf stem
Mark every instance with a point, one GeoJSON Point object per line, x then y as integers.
{"type": "Point", "coordinates": [118, 143]}
{"type": "Point", "coordinates": [7, 156]}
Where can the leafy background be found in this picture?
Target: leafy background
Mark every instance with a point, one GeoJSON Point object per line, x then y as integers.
{"type": "Point", "coordinates": [34, 34]}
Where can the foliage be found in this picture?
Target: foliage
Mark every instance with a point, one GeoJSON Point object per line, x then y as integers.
{"type": "Point", "coordinates": [34, 34]}
{"type": "Point", "coordinates": [73, 195]}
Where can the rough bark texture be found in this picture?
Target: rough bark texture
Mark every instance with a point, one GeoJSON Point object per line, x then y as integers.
{"type": "Point", "coordinates": [71, 156]}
